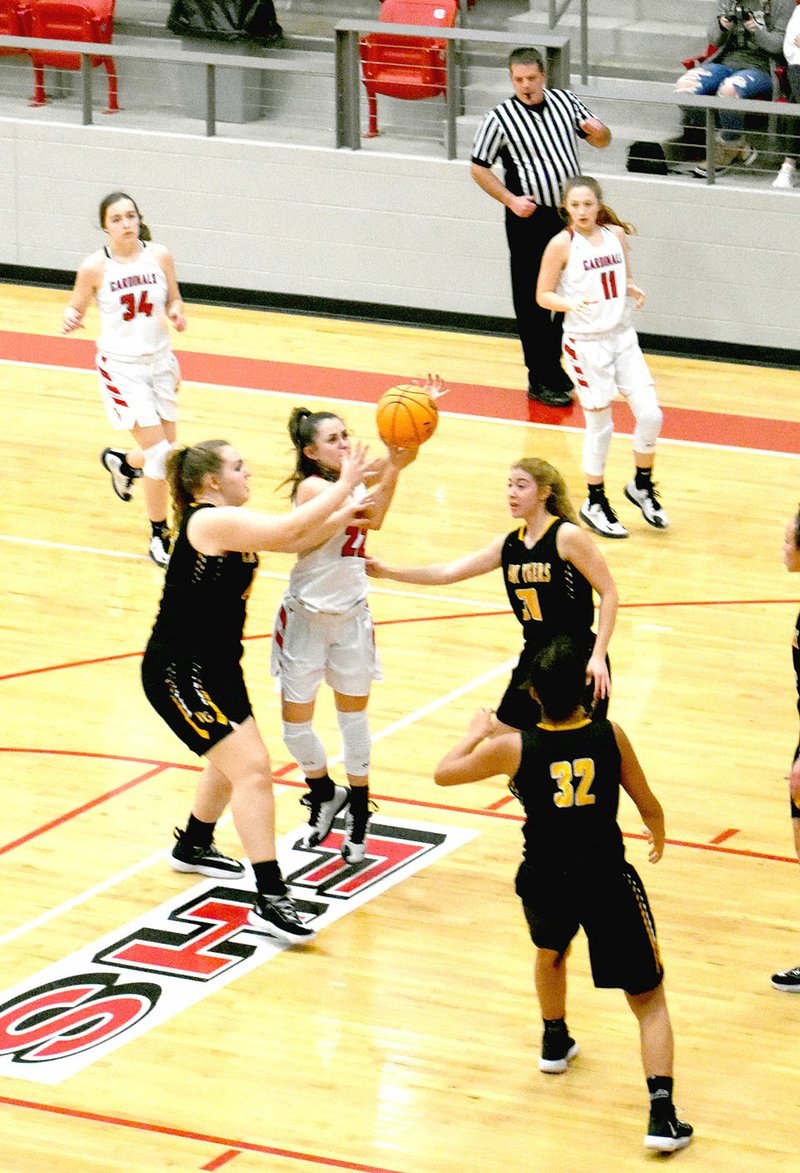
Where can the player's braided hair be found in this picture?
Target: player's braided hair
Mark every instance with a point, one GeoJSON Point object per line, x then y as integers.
{"type": "Point", "coordinates": [558, 503]}
{"type": "Point", "coordinates": [303, 427]}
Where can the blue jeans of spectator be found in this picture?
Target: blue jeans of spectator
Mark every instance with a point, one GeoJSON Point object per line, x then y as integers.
{"type": "Point", "coordinates": [749, 83]}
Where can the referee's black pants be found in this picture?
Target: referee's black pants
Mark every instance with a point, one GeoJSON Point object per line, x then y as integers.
{"type": "Point", "coordinates": [539, 330]}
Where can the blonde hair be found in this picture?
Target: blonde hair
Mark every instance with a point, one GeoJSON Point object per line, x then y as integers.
{"type": "Point", "coordinates": [186, 468]}
{"type": "Point", "coordinates": [605, 215]}
{"type": "Point", "coordinates": [558, 503]}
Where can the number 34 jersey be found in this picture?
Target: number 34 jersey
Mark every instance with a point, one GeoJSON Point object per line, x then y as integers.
{"type": "Point", "coordinates": [132, 301]}
{"type": "Point", "coordinates": [598, 274]}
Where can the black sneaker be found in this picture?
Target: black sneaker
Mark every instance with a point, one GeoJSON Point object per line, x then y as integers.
{"type": "Point", "coordinates": [278, 916]}
{"type": "Point", "coordinates": [788, 980]}
{"type": "Point", "coordinates": [667, 1133]}
{"type": "Point", "coordinates": [207, 861]}
{"type": "Point", "coordinates": [112, 461]}
{"type": "Point", "coordinates": [322, 814]}
{"type": "Point", "coordinates": [354, 844]}
{"type": "Point", "coordinates": [557, 1050]}
{"type": "Point", "coordinates": [549, 396]}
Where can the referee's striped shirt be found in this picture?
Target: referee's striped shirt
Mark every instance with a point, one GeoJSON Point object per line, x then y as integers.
{"type": "Point", "coordinates": [538, 145]}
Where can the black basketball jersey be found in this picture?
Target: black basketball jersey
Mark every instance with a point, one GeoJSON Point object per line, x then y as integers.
{"type": "Point", "coordinates": [568, 783]}
{"type": "Point", "coordinates": [204, 603]}
{"type": "Point", "coordinates": [548, 595]}
{"type": "Point", "coordinates": [796, 658]}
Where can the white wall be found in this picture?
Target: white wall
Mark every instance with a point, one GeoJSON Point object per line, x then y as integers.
{"type": "Point", "coordinates": [717, 263]}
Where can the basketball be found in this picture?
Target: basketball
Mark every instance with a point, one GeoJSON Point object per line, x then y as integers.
{"type": "Point", "coordinates": [407, 416]}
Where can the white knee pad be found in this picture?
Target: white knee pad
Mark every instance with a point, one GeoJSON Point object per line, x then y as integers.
{"type": "Point", "coordinates": [155, 460]}
{"type": "Point", "coordinates": [304, 746]}
{"type": "Point", "coordinates": [356, 741]}
{"type": "Point", "coordinates": [597, 441]}
{"type": "Point", "coordinates": [649, 417]}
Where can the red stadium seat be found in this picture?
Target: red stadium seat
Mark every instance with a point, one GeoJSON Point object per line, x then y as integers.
{"type": "Point", "coordinates": [406, 67]}
{"type": "Point", "coordinates": [72, 20]}
{"type": "Point", "coordinates": [15, 21]}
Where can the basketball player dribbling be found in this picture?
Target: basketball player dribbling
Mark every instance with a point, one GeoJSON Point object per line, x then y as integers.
{"type": "Point", "coordinates": [132, 279]}
{"type": "Point", "coordinates": [586, 275]}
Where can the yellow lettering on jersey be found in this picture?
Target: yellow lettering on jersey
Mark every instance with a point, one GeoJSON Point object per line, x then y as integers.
{"type": "Point", "coordinates": [512, 574]}
{"type": "Point", "coordinates": [530, 604]}
{"type": "Point", "coordinates": [536, 572]}
{"type": "Point", "coordinates": [564, 775]}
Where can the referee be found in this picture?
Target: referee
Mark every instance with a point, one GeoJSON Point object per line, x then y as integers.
{"type": "Point", "coordinates": [535, 134]}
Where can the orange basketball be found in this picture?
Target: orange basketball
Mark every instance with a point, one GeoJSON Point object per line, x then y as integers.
{"type": "Point", "coordinates": [407, 416]}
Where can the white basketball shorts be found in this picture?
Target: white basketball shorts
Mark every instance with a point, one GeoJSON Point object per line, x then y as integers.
{"type": "Point", "coordinates": [602, 365]}
{"type": "Point", "coordinates": [311, 646]}
{"type": "Point", "coordinates": [142, 391]}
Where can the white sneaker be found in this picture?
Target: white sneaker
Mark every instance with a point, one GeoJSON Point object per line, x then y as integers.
{"type": "Point", "coordinates": [787, 175]}
{"type": "Point", "coordinates": [600, 517]}
{"type": "Point", "coordinates": [321, 815]}
{"type": "Point", "coordinates": [159, 550]}
{"type": "Point", "coordinates": [112, 461]}
{"type": "Point", "coordinates": [647, 500]}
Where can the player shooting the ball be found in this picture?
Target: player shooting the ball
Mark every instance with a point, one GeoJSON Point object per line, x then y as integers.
{"type": "Point", "coordinates": [324, 629]}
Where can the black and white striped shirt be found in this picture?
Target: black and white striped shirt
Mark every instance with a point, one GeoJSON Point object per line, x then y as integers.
{"type": "Point", "coordinates": [538, 145]}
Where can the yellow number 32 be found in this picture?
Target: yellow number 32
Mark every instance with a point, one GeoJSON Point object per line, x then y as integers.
{"type": "Point", "coordinates": [566, 775]}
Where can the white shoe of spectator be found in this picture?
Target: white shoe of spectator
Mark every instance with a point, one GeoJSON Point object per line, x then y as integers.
{"type": "Point", "coordinates": [787, 175]}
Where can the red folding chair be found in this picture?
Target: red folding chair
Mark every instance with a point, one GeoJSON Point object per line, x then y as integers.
{"type": "Point", "coordinates": [14, 22]}
{"type": "Point", "coordinates": [406, 67]}
{"type": "Point", "coordinates": [72, 20]}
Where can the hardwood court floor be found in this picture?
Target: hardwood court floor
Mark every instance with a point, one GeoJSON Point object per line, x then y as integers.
{"type": "Point", "coordinates": [405, 1038]}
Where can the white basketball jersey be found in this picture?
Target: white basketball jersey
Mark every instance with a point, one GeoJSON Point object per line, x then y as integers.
{"type": "Point", "coordinates": [599, 274]}
{"type": "Point", "coordinates": [333, 577]}
{"type": "Point", "coordinates": [132, 301]}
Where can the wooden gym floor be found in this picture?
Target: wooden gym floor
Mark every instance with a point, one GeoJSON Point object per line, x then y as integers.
{"type": "Point", "coordinates": [405, 1039]}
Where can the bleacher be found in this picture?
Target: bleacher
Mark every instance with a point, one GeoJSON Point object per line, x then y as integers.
{"type": "Point", "coordinates": [634, 45]}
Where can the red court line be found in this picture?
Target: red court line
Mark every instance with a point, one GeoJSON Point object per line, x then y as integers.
{"type": "Point", "coordinates": [502, 403]}
{"type": "Point", "coordinates": [189, 1134]}
{"type": "Point", "coordinates": [492, 811]}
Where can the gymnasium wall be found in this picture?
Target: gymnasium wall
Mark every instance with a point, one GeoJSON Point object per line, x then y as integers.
{"type": "Point", "coordinates": [718, 263]}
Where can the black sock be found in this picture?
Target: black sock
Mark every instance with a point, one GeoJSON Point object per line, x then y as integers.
{"type": "Point", "coordinates": [269, 881]}
{"type": "Point", "coordinates": [359, 800]}
{"type": "Point", "coordinates": [597, 492]}
{"type": "Point", "coordinates": [160, 528]}
{"type": "Point", "coordinates": [555, 1026]}
{"type": "Point", "coordinates": [321, 788]}
{"type": "Point", "coordinates": [126, 469]}
{"type": "Point", "coordinates": [644, 478]}
{"type": "Point", "coordinates": [660, 1089]}
{"type": "Point", "coordinates": [198, 833]}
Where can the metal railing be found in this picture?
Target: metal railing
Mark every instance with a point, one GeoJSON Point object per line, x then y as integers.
{"type": "Point", "coordinates": [554, 13]}
{"type": "Point", "coordinates": [348, 34]}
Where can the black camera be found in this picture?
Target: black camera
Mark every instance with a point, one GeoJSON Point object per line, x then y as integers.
{"type": "Point", "coordinates": [737, 13]}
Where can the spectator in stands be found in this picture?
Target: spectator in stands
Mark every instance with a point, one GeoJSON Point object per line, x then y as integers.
{"type": "Point", "coordinates": [535, 134]}
{"type": "Point", "coordinates": [787, 175]}
{"type": "Point", "coordinates": [744, 48]}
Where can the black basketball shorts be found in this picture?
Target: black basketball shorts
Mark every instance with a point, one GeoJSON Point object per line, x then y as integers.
{"type": "Point", "coordinates": [201, 703]}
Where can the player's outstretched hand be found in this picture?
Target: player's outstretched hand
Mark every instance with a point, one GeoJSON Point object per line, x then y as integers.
{"type": "Point", "coordinates": [482, 724]}
{"type": "Point", "coordinates": [354, 465]}
{"type": "Point", "coordinates": [434, 385]}
{"type": "Point", "coordinates": [374, 568]}
{"type": "Point", "coordinates": [400, 458]}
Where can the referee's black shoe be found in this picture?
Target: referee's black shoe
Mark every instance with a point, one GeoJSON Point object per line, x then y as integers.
{"type": "Point", "coordinates": [549, 396]}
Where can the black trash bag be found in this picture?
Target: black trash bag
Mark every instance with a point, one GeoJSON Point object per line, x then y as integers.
{"type": "Point", "coordinates": [225, 20]}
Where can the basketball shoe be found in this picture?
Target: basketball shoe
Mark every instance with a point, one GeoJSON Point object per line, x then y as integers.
{"type": "Point", "coordinates": [159, 550]}
{"type": "Point", "coordinates": [278, 916]}
{"type": "Point", "coordinates": [321, 815]}
{"type": "Point", "coordinates": [600, 517]}
{"type": "Point", "coordinates": [207, 861]}
{"type": "Point", "coordinates": [667, 1133]}
{"type": "Point", "coordinates": [558, 1048]}
{"type": "Point", "coordinates": [121, 473]}
{"type": "Point", "coordinates": [356, 826]}
{"type": "Point", "coordinates": [787, 980]}
{"type": "Point", "coordinates": [648, 501]}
